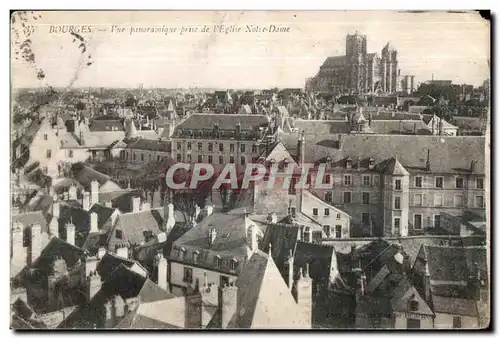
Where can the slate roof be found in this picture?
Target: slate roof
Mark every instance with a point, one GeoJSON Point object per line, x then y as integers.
{"type": "Point", "coordinates": [319, 258]}
{"type": "Point", "coordinates": [225, 121]}
{"type": "Point", "coordinates": [320, 127]}
{"type": "Point", "coordinates": [106, 125]}
{"type": "Point", "coordinates": [134, 224]}
{"type": "Point", "coordinates": [103, 214]}
{"type": "Point", "coordinates": [458, 306]}
{"type": "Point", "coordinates": [399, 127]}
{"type": "Point", "coordinates": [447, 154]}
{"type": "Point", "coordinates": [282, 239]}
{"type": "Point", "coordinates": [264, 300]}
{"type": "Point", "coordinates": [85, 175]}
{"type": "Point", "coordinates": [394, 167]}
{"type": "Point", "coordinates": [334, 61]}
{"type": "Point", "coordinates": [151, 145]}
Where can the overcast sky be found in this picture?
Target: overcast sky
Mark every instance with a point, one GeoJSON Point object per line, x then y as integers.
{"type": "Point", "coordinates": [450, 46]}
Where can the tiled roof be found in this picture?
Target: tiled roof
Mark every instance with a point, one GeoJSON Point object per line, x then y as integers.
{"type": "Point", "coordinates": [167, 313]}
{"type": "Point", "coordinates": [106, 125]}
{"type": "Point", "coordinates": [264, 300]}
{"type": "Point", "coordinates": [134, 224]}
{"type": "Point", "coordinates": [225, 121]}
{"type": "Point", "coordinates": [75, 215]}
{"type": "Point", "coordinates": [447, 154]}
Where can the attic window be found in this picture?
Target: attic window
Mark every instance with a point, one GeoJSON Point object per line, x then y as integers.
{"type": "Point", "coordinates": [217, 261]}
{"type": "Point", "coordinates": [413, 305]}
{"type": "Point", "coordinates": [371, 163]}
{"type": "Point", "coordinates": [285, 163]}
{"type": "Point", "coordinates": [348, 163]}
{"type": "Point", "coordinates": [233, 264]}
{"type": "Point", "coordinates": [195, 256]}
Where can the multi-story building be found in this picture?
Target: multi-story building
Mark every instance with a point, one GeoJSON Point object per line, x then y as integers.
{"type": "Point", "coordinates": [219, 139]}
{"type": "Point", "coordinates": [392, 189]}
{"type": "Point", "coordinates": [358, 71]}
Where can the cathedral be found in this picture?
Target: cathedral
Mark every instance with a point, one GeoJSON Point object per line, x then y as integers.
{"type": "Point", "coordinates": [358, 72]}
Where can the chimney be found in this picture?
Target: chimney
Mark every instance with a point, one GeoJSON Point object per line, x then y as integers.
{"type": "Point", "coordinates": [55, 209]}
{"type": "Point", "coordinates": [54, 227]}
{"type": "Point", "coordinates": [229, 296]}
{"type": "Point", "coordinates": [272, 218]}
{"type": "Point", "coordinates": [307, 235]}
{"type": "Point", "coordinates": [340, 141]}
{"type": "Point", "coordinates": [300, 148]}
{"type": "Point", "coordinates": [122, 251]}
{"type": "Point", "coordinates": [169, 217]}
{"type": "Point", "coordinates": [108, 204]}
{"type": "Point", "coordinates": [209, 209]}
{"type": "Point", "coordinates": [426, 281]}
{"type": "Point", "coordinates": [36, 241]}
{"type": "Point", "coordinates": [303, 294]}
{"type": "Point", "coordinates": [362, 284]}
{"type": "Point", "coordinates": [93, 284]}
{"type": "Point", "coordinates": [101, 252]}
{"type": "Point", "coordinates": [254, 243]}
{"type": "Point", "coordinates": [428, 163]}
{"type": "Point", "coordinates": [66, 196]}
{"type": "Point", "coordinates": [70, 234]}
{"type": "Point", "coordinates": [212, 236]}
{"type": "Point", "coordinates": [18, 253]}
{"type": "Point", "coordinates": [197, 212]}
{"type": "Point", "coordinates": [472, 166]}
{"type": "Point", "coordinates": [110, 314]}
{"type": "Point", "coordinates": [119, 304]}
{"type": "Point", "coordinates": [94, 192]}
{"type": "Point", "coordinates": [93, 223]}
{"type": "Point", "coordinates": [86, 201]}
{"type": "Point", "coordinates": [163, 272]}
{"type": "Point", "coordinates": [136, 204]}
{"type": "Point", "coordinates": [289, 261]}
{"type": "Point", "coordinates": [146, 206]}
{"type": "Point", "coordinates": [72, 192]}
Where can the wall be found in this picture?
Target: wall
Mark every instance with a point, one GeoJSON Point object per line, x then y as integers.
{"type": "Point", "coordinates": [400, 320]}
{"type": "Point", "coordinates": [177, 275]}
{"type": "Point", "coordinates": [445, 321]}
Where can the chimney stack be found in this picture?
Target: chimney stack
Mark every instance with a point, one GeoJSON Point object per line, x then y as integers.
{"type": "Point", "coordinates": [70, 234]}
{"type": "Point", "coordinates": [229, 303]}
{"type": "Point", "coordinates": [94, 223]}
{"type": "Point", "coordinates": [196, 212]}
{"type": "Point", "coordinates": [36, 241]}
{"type": "Point", "coordinates": [427, 281]}
{"type": "Point", "coordinates": [18, 253]}
{"type": "Point", "coordinates": [254, 244]}
{"type": "Point", "coordinates": [54, 227]}
{"type": "Point", "coordinates": [212, 236]}
{"type": "Point", "coordinates": [136, 204]}
{"type": "Point", "coordinates": [303, 294]}
{"type": "Point", "coordinates": [168, 217]}
{"type": "Point", "coordinates": [93, 284]}
{"type": "Point", "coordinates": [122, 251]}
{"type": "Point", "coordinates": [428, 163]}
{"type": "Point", "coordinates": [94, 192]}
{"type": "Point", "coordinates": [119, 307]}
{"type": "Point", "coordinates": [86, 201]}
{"type": "Point", "coordinates": [209, 209]}
{"type": "Point", "coordinates": [307, 235]}
{"type": "Point", "coordinates": [101, 252]}
{"type": "Point", "coordinates": [289, 266]}
{"type": "Point", "coordinates": [146, 206]}
{"type": "Point", "coordinates": [72, 192]}
{"type": "Point", "coordinates": [55, 209]}
{"type": "Point", "coordinates": [163, 272]}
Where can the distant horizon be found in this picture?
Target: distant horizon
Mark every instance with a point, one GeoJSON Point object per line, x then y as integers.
{"type": "Point", "coordinates": [248, 61]}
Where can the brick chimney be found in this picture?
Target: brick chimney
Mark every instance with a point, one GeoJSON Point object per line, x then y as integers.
{"type": "Point", "coordinates": [94, 222]}
{"type": "Point", "coordinates": [86, 201]}
{"type": "Point", "coordinates": [163, 272]}
{"type": "Point", "coordinates": [36, 241]}
{"type": "Point", "coordinates": [70, 234]}
{"type": "Point", "coordinates": [94, 192]}
{"type": "Point", "coordinates": [136, 204]}
{"type": "Point", "coordinates": [54, 227]}
{"type": "Point", "coordinates": [229, 303]}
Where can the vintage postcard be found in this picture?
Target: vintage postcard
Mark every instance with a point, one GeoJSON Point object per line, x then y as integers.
{"type": "Point", "coordinates": [250, 170]}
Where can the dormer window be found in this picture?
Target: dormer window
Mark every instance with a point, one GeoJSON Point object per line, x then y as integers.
{"type": "Point", "coordinates": [348, 163]}
{"type": "Point", "coordinates": [195, 256]}
{"type": "Point", "coordinates": [371, 163]}
{"type": "Point", "coordinates": [217, 261]}
{"type": "Point", "coordinates": [182, 252]}
{"type": "Point", "coordinates": [233, 264]}
{"type": "Point", "coordinates": [285, 163]}
{"type": "Point", "coordinates": [413, 305]}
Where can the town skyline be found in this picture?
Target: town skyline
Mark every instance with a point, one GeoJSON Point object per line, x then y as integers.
{"type": "Point", "coordinates": [283, 60]}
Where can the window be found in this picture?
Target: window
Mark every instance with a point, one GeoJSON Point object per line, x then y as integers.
{"type": "Point", "coordinates": [232, 264]}
{"type": "Point", "coordinates": [254, 148]}
{"type": "Point", "coordinates": [189, 157]}
{"type": "Point", "coordinates": [327, 179]}
{"type": "Point", "coordinates": [224, 281]}
{"type": "Point", "coordinates": [418, 181]}
{"type": "Point", "coordinates": [70, 153]}
{"type": "Point", "coordinates": [479, 201]}
{"type": "Point", "coordinates": [221, 159]}
{"type": "Point", "coordinates": [308, 179]}
{"type": "Point", "coordinates": [45, 169]}
{"type": "Point", "coordinates": [291, 187]}
{"type": "Point", "coordinates": [242, 147]}
{"type": "Point", "coordinates": [479, 183]}
{"type": "Point", "coordinates": [338, 231]}
{"type": "Point", "coordinates": [327, 230]}
{"type": "Point", "coordinates": [328, 196]}
{"type": "Point", "coordinates": [118, 234]}
{"type": "Point", "coordinates": [457, 322]}
{"type": "Point", "coordinates": [347, 180]}
{"type": "Point", "coordinates": [413, 305]}
{"type": "Point", "coordinates": [458, 200]}
{"type": "Point", "coordinates": [134, 156]}
{"type": "Point", "coordinates": [200, 146]}
{"type": "Point", "coordinates": [397, 184]}
{"type": "Point", "coordinates": [438, 200]}
{"type": "Point", "coordinates": [397, 203]}
{"type": "Point", "coordinates": [315, 212]}
{"type": "Point", "coordinates": [365, 218]}
{"type": "Point", "coordinates": [210, 159]}
{"type": "Point", "coordinates": [217, 261]}
{"type": "Point", "coordinates": [439, 182]}
{"type": "Point", "coordinates": [142, 157]}
{"type": "Point", "coordinates": [376, 180]}
{"type": "Point", "coordinates": [179, 145]}
{"type": "Point", "coordinates": [437, 220]}
{"type": "Point", "coordinates": [418, 199]}
{"type": "Point", "coordinates": [195, 256]}
{"type": "Point", "coordinates": [210, 147]}
{"type": "Point", "coordinates": [347, 197]}
{"type": "Point", "coordinates": [366, 198]}
{"type": "Point", "coordinates": [338, 216]}
{"type": "Point", "coordinates": [243, 160]}
{"type": "Point", "coordinates": [200, 158]}
{"type": "Point", "coordinates": [48, 153]}
{"type": "Point", "coordinates": [221, 147]}
{"type": "Point", "coordinates": [231, 159]}
{"type": "Point", "coordinates": [178, 157]}
{"type": "Point", "coordinates": [327, 212]}
{"type": "Point", "coordinates": [367, 180]}
{"type": "Point", "coordinates": [231, 147]}
{"type": "Point", "coordinates": [188, 146]}
{"type": "Point", "coordinates": [293, 211]}
{"type": "Point", "coordinates": [459, 182]}
{"type": "Point", "coordinates": [188, 275]}
{"type": "Point", "coordinates": [417, 221]}
{"type": "Point", "coordinates": [45, 137]}
{"type": "Point", "coordinates": [412, 323]}
{"type": "Point", "coordinates": [157, 158]}
{"type": "Point", "coordinates": [397, 226]}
